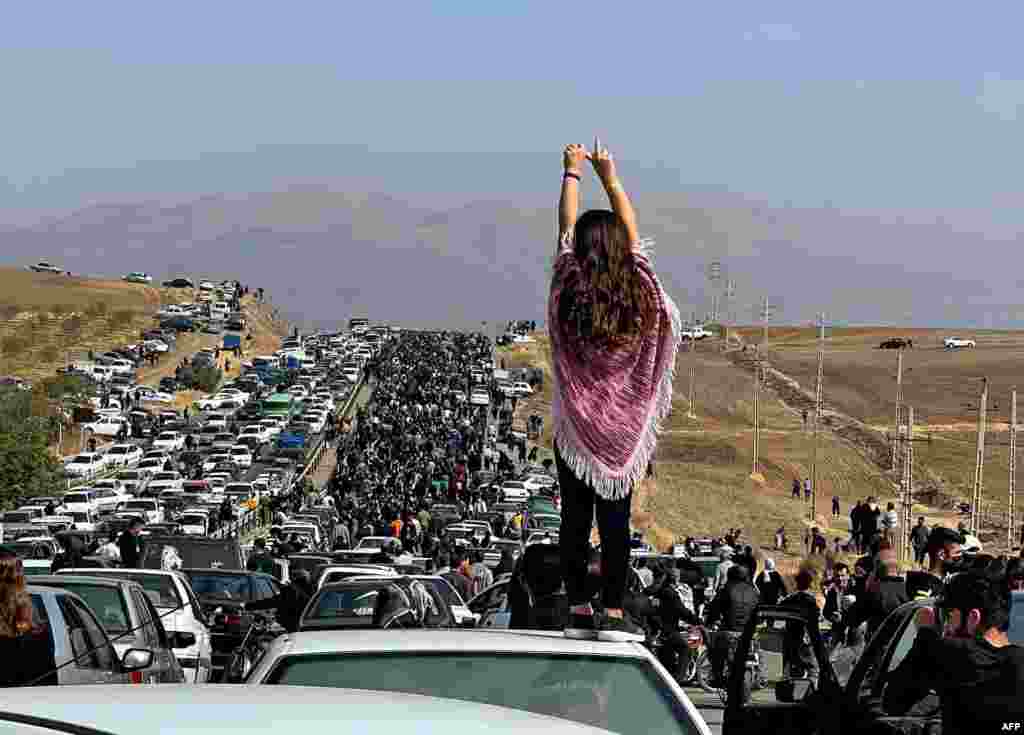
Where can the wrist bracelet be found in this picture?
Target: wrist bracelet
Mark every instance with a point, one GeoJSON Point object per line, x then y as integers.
{"type": "Point", "coordinates": [571, 175]}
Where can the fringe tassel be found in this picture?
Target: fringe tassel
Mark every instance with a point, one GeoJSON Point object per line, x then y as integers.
{"type": "Point", "coordinates": [595, 473]}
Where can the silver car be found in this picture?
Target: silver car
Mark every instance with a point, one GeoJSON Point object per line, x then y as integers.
{"type": "Point", "coordinates": [81, 648]}
{"type": "Point", "coordinates": [129, 618]}
{"type": "Point", "coordinates": [619, 687]}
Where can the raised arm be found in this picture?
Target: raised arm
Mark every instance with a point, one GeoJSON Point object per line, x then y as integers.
{"type": "Point", "coordinates": [604, 167]}
{"type": "Point", "coordinates": [569, 202]}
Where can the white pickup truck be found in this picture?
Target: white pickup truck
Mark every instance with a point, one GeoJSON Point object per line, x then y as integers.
{"type": "Point", "coordinates": [953, 343]}
{"type": "Point", "coordinates": [696, 333]}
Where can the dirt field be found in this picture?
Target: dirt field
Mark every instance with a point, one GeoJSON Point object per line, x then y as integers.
{"type": "Point", "coordinates": [704, 484]}
{"type": "Point", "coordinates": [943, 385]}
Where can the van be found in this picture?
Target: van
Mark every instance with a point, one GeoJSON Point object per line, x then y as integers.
{"type": "Point", "coordinates": [219, 310]}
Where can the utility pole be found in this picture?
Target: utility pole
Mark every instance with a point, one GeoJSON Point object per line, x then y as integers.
{"type": "Point", "coordinates": [693, 372]}
{"type": "Point", "coordinates": [1012, 513]}
{"type": "Point", "coordinates": [908, 488]}
{"type": "Point", "coordinates": [979, 462]}
{"type": "Point", "coordinates": [764, 317]}
{"type": "Point", "coordinates": [899, 407]}
{"type": "Point", "coordinates": [757, 414]}
{"type": "Point", "coordinates": [817, 416]}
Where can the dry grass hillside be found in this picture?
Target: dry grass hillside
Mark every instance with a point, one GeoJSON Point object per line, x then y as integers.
{"type": "Point", "coordinates": [47, 320]}
{"type": "Point", "coordinates": [704, 484]}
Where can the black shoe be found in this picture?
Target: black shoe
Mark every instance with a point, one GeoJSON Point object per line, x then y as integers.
{"type": "Point", "coordinates": [581, 627]}
{"type": "Point", "coordinates": [620, 630]}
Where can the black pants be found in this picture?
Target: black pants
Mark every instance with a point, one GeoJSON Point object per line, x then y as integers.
{"type": "Point", "coordinates": [578, 504]}
{"type": "Point", "coordinates": [675, 643]}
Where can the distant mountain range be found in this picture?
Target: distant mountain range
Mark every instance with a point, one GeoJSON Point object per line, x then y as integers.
{"type": "Point", "coordinates": [328, 247]}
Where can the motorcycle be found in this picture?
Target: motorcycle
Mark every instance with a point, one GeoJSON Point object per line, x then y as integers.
{"type": "Point", "coordinates": [243, 659]}
{"type": "Point", "coordinates": [698, 655]}
{"type": "Point", "coordinates": [720, 643]}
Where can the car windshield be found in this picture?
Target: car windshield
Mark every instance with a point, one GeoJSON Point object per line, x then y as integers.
{"type": "Point", "coordinates": [141, 504]}
{"type": "Point", "coordinates": [159, 587]}
{"type": "Point", "coordinates": [617, 694]}
{"type": "Point", "coordinates": [76, 498]}
{"type": "Point", "coordinates": [165, 476]}
{"type": "Point", "coordinates": [224, 586]}
{"type": "Point", "coordinates": [353, 605]}
{"type": "Point", "coordinates": [82, 459]}
{"type": "Point", "coordinates": [444, 590]}
{"type": "Point", "coordinates": [192, 519]}
{"type": "Point", "coordinates": [168, 436]}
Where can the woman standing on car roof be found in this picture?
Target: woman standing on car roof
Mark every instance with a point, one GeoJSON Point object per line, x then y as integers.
{"type": "Point", "coordinates": [614, 336]}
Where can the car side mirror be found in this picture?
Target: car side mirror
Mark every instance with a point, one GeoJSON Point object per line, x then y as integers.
{"type": "Point", "coordinates": [182, 639]}
{"type": "Point", "coordinates": [137, 658]}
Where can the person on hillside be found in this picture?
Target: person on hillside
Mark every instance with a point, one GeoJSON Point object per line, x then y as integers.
{"type": "Point", "coordinates": [836, 509]}
{"type": "Point", "coordinates": [796, 488]}
{"type": "Point", "coordinates": [615, 333]}
{"type": "Point", "coordinates": [771, 587]}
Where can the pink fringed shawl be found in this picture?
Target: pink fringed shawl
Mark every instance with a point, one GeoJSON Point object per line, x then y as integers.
{"type": "Point", "coordinates": [608, 405]}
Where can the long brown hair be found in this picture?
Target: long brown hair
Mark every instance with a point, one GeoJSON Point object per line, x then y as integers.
{"type": "Point", "coordinates": [606, 304]}
{"type": "Point", "coordinates": [15, 605]}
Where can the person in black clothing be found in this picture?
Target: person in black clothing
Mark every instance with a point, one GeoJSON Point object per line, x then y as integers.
{"type": "Point", "coordinates": [977, 673]}
{"type": "Point", "coordinates": [130, 544]}
{"type": "Point", "coordinates": [798, 659]}
{"type": "Point", "coordinates": [507, 564]}
{"type": "Point", "coordinates": [884, 591]}
{"type": "Point", "coordinates": [288, 603]}
{"type": "Point", "coordinates": [919, 540]}
{"type": "Point", "coordinates": [770, 584]}
{"type": "Point", "coordinates": [733, 605]}
{"type": "Point", "coordinates": [675, 608]}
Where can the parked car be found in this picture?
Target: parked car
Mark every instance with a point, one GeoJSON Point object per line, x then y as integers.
{"type": "Point", "coordinates": [180, 283]}
{"type": "Point", "coordinates": [179, 611]}
{"type": "Point", "coordinates": [82, 649]}
{"type": "Point", "coordinates": [138, 277]}
{"type": "Point", "coordinates": [84, 465]}
{"type": "Point", "coordinates": [534, 669]}
{"type": "Point", "coordinates": [126, 614]}
{"type": "Point", "coordinates": [123, 455]}
{"type": "Point", "coordinates": [104, 426]}
{"type": "Point", "coordinates": [172, 441]}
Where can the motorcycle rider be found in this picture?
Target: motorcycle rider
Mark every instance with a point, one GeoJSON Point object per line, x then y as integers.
{"type": "Point", "coordinates": [675, 608]}
{"type": "Point", "coordinates": [733, 605]}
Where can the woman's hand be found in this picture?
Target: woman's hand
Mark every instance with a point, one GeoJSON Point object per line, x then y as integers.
{"type": "Point", "coordinates": [602, 161]}
{"type": "Point", "coordinates": [573, 157]}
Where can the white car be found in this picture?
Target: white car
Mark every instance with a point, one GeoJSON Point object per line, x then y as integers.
{"type": "Point", "coordinates": [148, 509]}
{"type": "Point", "coordinates": [171, 441]}
{"type": "Point", "coordinates": [241, 456]}
{"type": "Point", "coordinates": [123, 455]}
{"type": "Point", "coordinates": [86, 464]}
{"type": "Point", "coordinates": [952, 343]}
{"type": "Point", "coordinates": [514, 490]}
{"type": "Point", "coordinates": [255, 431]}
{"type": "Point", "coordinates": [522, 389]}
{"type": "Point", "coordinates": [212, 403]}
{"type": "Point", "coordinates": [78, 501]}
{"type": "Point", "coordinates": [156, 345]}
{"type": "Point", "coordinates": [452, 663]}
{"type": "Point", "coordinates": [235, 393]}
{"type": "Point", "coordinates": [165, 480]}
{"type": "Point", "coordinates": [194, 522]}
{"type": "Point", "coordinates": [104, 426]}
{"type": "Point", "coordinates": [154, 396]}
{"type": "Point", "coordinates": [534, 484]}
{"type": "Point", "coordinates": [217, 420]}
{"type": "Point", "coordinates": [479, 398]}
{"type": "Point", "coordinates": [134, 481]}
{"type": "Point", "coordinates": [138, 277]}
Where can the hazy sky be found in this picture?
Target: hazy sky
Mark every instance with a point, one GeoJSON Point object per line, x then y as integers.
{"type": "Point", "coordinates": [874, 104]}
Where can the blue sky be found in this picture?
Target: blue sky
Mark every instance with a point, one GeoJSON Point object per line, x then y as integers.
{"type": "Point", "coordinates": [888, 105]}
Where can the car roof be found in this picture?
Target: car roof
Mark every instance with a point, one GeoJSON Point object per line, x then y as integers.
{"type": "Point", "coordinates": [123, 709]}
{"type": "Point", "coordinates": [58, 579]}
{"type": "Point", "coordinates": [444, 640]}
